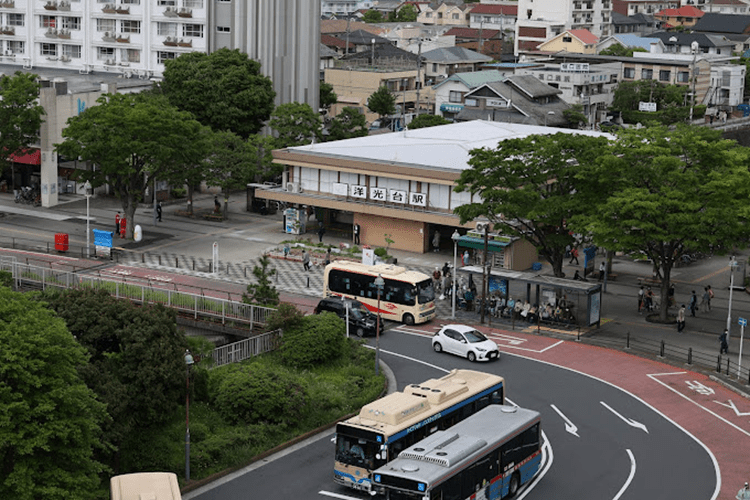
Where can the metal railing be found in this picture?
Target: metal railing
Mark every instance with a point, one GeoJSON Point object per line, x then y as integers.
{"type": "Point", "coordinates": [247, 348]}
{"type": "Point", "coordinates": [188, 304]}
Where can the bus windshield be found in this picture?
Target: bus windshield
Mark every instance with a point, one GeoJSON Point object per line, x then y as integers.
{"type": "Point", "coordinates": [357, 451]}
{"type": "Point", "coordinates": [426, 290]}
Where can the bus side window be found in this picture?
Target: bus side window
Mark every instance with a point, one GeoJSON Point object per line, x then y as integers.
{"type": "Point", "coordinates": [482, 402]}
{"type": "Point", "coordinates": [497, 397]}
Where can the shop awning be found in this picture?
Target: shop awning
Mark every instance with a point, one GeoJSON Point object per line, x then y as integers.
{"type": "Point", "coordinates": [31, 156]}
{"type": "Point", "coordinates": [478, 243]}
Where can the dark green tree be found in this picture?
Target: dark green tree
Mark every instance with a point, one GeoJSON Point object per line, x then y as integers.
{"type": "Point", "coordinates": [424, 121]}
{"type": "Point", "coordinates": [132, 139]}
{"type": "Point", "coordinates": [663, 192]}
{"type": "Point", "coordinates": [382, 102]}
{"type": "Point", "coordinates": [263, 292]}
{"type": "Point", "coordinates": [530, 187]}
{"type": "Point", "coordinates": [224, 90]}
{"type": "Point", "coordinates": [406, 14]}
{"type": "Point", "coordinates": [347, 124]}
{"type": "Point", "coordinates": [317, 339]}
{"type": "Point", "coordinates": [672, 102]}
{"type": "Point", "coordinates": [231, 164]}
{"type": "Point", "coordinates": [49, 420]}
{"type": "Point", "coordinates": [260, 148]}
{"type": "Point", "coordinates": [620, 50]}
{"type": "Point", "coordinates": [575, 116]}
{"type": "Point", "coordinates": [285, 316]}
{"type": "Point", "coordinates": [327, 96]}
{"type": "Point", "coordinates": [20, 114]}
{"type": "Point", "coordinates": [373, 16]}
{"type": "Point", "coordinates": [295, 124]}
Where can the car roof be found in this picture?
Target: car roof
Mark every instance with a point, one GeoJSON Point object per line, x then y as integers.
{"type": "Point", "coordinates": [460, 328]}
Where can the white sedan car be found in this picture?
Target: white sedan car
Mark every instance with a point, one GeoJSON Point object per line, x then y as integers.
{"type": "Point", "coordinates": [466, 342]}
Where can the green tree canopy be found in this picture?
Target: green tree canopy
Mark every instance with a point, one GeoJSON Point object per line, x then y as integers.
{"type": "Point", "coordinates": [672, 102]}
{"type": "Point", "coordinates": [620, 50]}
{"type": "Point", "coordinates": [382, 102]}
{"type": "Point", "coordinates": [231, 164]}
{"type": "Point", "coordinates": [132, 139]}
{"type": "Point", "coordinates": [20, 114]}
{"type": "Point", "coordinates": [262, 292]}
{"type": "Point", "coordinates": [664, 192]}
{"type": "Point", "coordinates": [347, 124]}
{"type": "Point", "coordinates": [315, 340]}
{"type": "Point", "coordinates": [424, 121]}
{"type": "Point", "coordinates": [224, 90]}
{"type": "Point", "coordinates": [530, 187]}
{"type": "Point", "coordinates": [406, 14]}
{"type": "Point", "coordinates": [575, 116]}
{"type": "Point", "coordinates": [327, 96]}
{"type": "Point", "coordinates": [49, 420]}
{"type": "Point", "coordinates": [373, 16]}
{"type": "Point", "coordinates": [295, 124]}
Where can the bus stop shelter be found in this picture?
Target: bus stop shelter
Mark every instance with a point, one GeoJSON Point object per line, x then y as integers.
{"type": "Point", "coordinates": [585, 297]}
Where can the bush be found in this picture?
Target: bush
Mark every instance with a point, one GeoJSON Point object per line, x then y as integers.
{"type": "Point", "coordinates": [179, 192]}
{"type": "Point", "coordinates": [381, 252]}
{"type": "Point", "coordinates": [6, 279]}
{"type": "Point", "coordinates": [285, 316]}
{"type": "Point", "coordinates": [255, 392]}
{"type": "Point", "coordinates": [315, 340]}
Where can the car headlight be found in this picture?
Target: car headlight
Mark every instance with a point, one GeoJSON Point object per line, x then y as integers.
{"type": "Point", "coordinates": [481, 349]}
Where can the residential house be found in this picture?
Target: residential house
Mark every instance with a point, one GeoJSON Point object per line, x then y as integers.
{"type": "Point", "coordinates": [573, 41]}
{"type": "Point", "coordinates": [500, 17]}
{"type": "Point", "coordinates": [649, 7]}
{"type": "Point", "coordinates": [684, 16]}
{"type": "Point", "coordinates": [449, 94]}
{"type": "Point", "coordinates": [339, 46]}
{"type": "Point", "coordinates": [640, 24]}
{"type": "Point", "coordinates": [442, 63]}
{"type": "Point", "coordinates": [484, 41]}
{"type": "Point", "coordinates": [339, 27]}
{"type": "Point", "coordinates": [671, 69]}
{"type": "Point", "coordinates": [727, 7]}
{"type": "Point", "coordinates": [517, 99]}
{"type": "Point", "coordinates": [734, 27]}
{"type": "Point", "coordinates": [445, 14]}
{"type": "Point", "coordinates": [631, 41]}
{"type": "Point", "coordinates": [328, 59]}
{"type": "Point", "coordinates": [681, 43]}
{"type": "Point", "coordinates": [343, 8]}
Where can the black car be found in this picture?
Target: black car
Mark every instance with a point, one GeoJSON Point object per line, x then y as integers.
{"type": "Point", "coordinates": [361, 321]}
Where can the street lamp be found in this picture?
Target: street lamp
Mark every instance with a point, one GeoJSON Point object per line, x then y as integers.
{"type": "Point", "coordinates": [732, 265]}
{"type": "Point", "coordinates": [379, 283]}
{"type": "Point", "coordinates": [455, 237]}
{"type": "Point", "coordinates": [188, 363]}
{"type": "Point", "coordinates": [87, 189]}
{"type": "Point", "coordinates": [694, 49]}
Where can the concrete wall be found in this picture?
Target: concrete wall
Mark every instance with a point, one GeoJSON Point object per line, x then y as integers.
{"type": "Point", "coordinates": [407, 235]}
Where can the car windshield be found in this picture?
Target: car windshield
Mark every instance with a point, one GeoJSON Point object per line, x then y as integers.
{"type": "Point", "coordinates": [474, 336]}
{"type": "Point", "coordinates": [356, 314]}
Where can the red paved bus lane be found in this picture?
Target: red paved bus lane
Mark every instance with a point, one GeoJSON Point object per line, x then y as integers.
{"type": "Point", "coordinates": [715, 415]}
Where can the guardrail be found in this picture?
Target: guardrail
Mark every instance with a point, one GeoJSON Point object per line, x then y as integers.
{"type": "Point", "coordinates": [197, 306]}
{"type": "Point", "coordinates": [247, 348]}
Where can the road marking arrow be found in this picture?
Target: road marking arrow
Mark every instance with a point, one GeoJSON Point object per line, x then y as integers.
{"type": "Point", "coordinates": [628, 421]}
{"type": "Point", "coordinates": [568, 424]}
{"type": "Point", "coordinates": [732, 406]}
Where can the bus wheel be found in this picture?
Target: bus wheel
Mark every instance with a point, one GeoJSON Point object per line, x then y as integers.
{"type": "Point", "coordinates": [513, 488]}
{"type": "Point", "coordinates": [408, 319]}
{"type": "Point", "coordinates": [360, 332]}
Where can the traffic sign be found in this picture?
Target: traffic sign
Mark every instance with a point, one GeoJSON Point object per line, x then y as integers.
{"type": "Point", "coordinates": [742, 322]}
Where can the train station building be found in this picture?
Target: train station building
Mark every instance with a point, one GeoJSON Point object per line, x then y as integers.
{"type": "Point", "coordinates": [399, 184]}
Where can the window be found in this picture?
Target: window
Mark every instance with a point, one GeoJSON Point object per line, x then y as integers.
{"type": "Point", "coordinates": [166, 29]}
{"type": "Point", "coordinates": [195, 4]}
{"type": "Point", "coordinates": [683, 77]}
{"type": "Point", "coordinates": [628, 73]}
{"type": "Point", "coordinates": [171, 3]}
{"type": "Point", "coordinates": [17, 47]}
{"type": "Point", "coordinates": [223, 29]}
{"type": "Point", "coordinates": [48, 49]}
{"type": "Point", "coordinates": [664, 75]}
{"type": "Point", "coordinates": [103, 53]}
{"type": "Point", "coordinates": [47, 22]}
{"type": "Point", "coordinates": [130, 26]}
{"type": "Point", "coordinates": [455, 96]}
{"type": "Point", "coordinates": [132, 2]}
{"type": "Point", "coordinates": [647, 74]}
{"type": "Point", "coordinates": [164, 56]}
{"type": "Point", "coordinates": [567, 39]}
{"type": "Point", "coordinates": [193, 30]}
{"type": "Point", "coordinates": [105, 25]}
{"type": "Point", "coordinates": [70, 23]}
{"type": "Point", "coordinates": [15, 20]}
{"type": "Point", "coordinates": [72, 51]}
{"type": "Point", "coordinates": [130, 55]}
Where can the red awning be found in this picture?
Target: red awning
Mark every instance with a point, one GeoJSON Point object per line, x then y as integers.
{"type": "Point", "coordinates": [30, 157]}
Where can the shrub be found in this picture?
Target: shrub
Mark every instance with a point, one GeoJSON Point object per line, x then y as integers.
{"type": "Point", "coordinates": [179, 192]}
{"type": "Point", "coordinates": [315, 340]}
{"type": "Point", "coordinates": [285, 316]}
{"type": "Point", "coordinates": [381, 252]}
{"type": "Point", "coordinates": [6, 279]}
{"type": "Point", "coordinates": [254, 392]}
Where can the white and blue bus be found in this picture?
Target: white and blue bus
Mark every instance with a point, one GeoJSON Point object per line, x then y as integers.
{"type": "Point", "coordinates": [487, 456]}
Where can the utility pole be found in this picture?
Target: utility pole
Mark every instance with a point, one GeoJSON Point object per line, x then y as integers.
{"type": "Point", "coordinates": [485, 274]}
{"type": "Point", "coordinates": [419, 74]}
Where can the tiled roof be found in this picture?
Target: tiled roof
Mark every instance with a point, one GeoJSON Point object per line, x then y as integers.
{"type": "Point", "coordinates": [585, 36]}
{"type": "Point", "coordinates": [686, 11]}
{"type": "Point", "coordinates": [499, 10]}
{"type": "Point", "coordinates": [454, 55]}
{"type": "Point", "coordinates": [722, 23]}
{"type": "Point", "coordinates": [472, 33]}
{"type": "Point", "coordinates": [333, 26]}
{"type": "Point", "coordinates": [475, 78]}
{"type": "Point", "coordinates": [332, 41]}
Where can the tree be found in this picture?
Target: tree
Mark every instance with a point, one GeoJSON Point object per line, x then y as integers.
{"type": "Point", "coordinates": [20, 114]}
{"type": "Point", "coordinates": [406, 14]}
{"type": "Point", "coordinates": [224, 90]}
{"type": "Point", "coordinates": [672, 103]}
{"type": "Point", "coordinates": [316, 340]}
{"type": "Point", "coordinates": [424, 121]}
{"type": "Point", "coordinates": [575, 116]}
{"type": "Point", "coordinates": [49, 420]}
{"type": "Point", "coordinates": [262, 292]}
{"type": "Point", "coordinates": [136, 361]}
{"type": "Point", "coordinates": [382, 102]}
{"type": "Point", "coordinates": [295, 125]}
{"type": "Point", "coordinates": [373, 16]}
{"type": "Point", "coordinates": [191, 171]}
{"type": "Point", "coordinates": [347, 124]}
{"type": "Point", "coordinates": [259, 149]}
{"type": "Point", "coordinates": [530, 187]}
{"type": "Point", "coordinates": [131, 139]}
{"type": "Point", "coordinates": [327, 96]}
{"type": "Point", "coordinates": [663, 192]}
{"type": "Point", "coordinates": [231, 164]}
{"type": "Point", "coordinates": [618, 49]}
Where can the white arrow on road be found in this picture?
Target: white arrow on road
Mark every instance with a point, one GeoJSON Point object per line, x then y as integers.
{"type": "Point", "coordinates": [628, 421]}
{"type": "Point", "coordinates": [568, 424]}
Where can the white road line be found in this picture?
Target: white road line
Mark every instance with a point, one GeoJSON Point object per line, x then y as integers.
{"type": "Point", "coordinates": [547, 455]}
{"type": "Point", "coordinates": [628, 421]}
{"type": "Point", "coordinates": [553, 345]}
{"type": "Point", "coordinates": [337, 495]}
{"type": "Point", "coordinates": [630, 477]}
{"type": "Point", "coordinates": [569, 426]}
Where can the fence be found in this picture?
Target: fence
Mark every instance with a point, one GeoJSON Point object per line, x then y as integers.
{"type": "Point", "coordinates": [198, 306]}
{"type": "Point", "coordinates": [247, 348]}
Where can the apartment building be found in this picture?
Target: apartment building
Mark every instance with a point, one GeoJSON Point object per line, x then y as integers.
{"type": "Point", "coordinates": [134, 38]}
{"type": "Point", "coordinates": [648, 7]}
{"type": "Point", "coordinates": [539, 20]}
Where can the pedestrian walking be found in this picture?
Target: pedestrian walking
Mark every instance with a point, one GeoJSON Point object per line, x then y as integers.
{"type": "Point", "coordinates": [306, 260]}
{"type": "Point", "coordinates": [436, 242]}
{"type": "Point", "coordinates": [356, 230]}
{"type": "Point", "coordinates": [446, 269]}
{"type": "Point", "coordinates": [693, 305]}
{"type": "Point", "coordinates": [681, 319]}
{"type": "Point", "coordinates": [158, 211]}
{"type": "Point", "coordinates": [328, 256]}
{"type": "Point", "coordinates": [574, 256]}
{"type": "Point", "coordinates": [641, 298]}
{"type": "Point", "coordinates": [217, 205]}
{"type": "Point", "coordinates": [649, 303]}
{"type": "Point", "coordinates": [602, 270]}
{"type": "Point", "coordinates": [710, 296]}
{"type": "Point", "coordinates": [123, 227]}
{"type": "Point", "coordinates": [465, 258]}
{"type": "Point", "coordinates": [705, 299]}
{"type": "Point", "coordinates": [744, 493]}
{"type": "Point", "coordinates": [724, 349]}
{"type": "Point", "coordinates": [321, 231]}
{"type": "Point", "coordinates": [117, 223]}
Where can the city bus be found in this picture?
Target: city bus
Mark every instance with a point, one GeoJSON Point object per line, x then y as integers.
{"type": "Point", "coordinates": [488, 456]}
{"type": "Point", "coordinates": [385, 427]}
{"type": "Point", "coordinates": [141, 485]}
{"type": "Point", "coordinates": [407, 296]}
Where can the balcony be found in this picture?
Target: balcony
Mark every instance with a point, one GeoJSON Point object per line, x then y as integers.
{"type": "Point", "coordinates": [184, 12]}
{"type": "Point", "coordinates": [50, 6]}
{"type": "Point", "coordinates": [122, 38]}
{"type": "Point", "coordinates": [7, 30]}
{"type": "Point", "coordinates": [171, 41]}
{"type": "Point", "coordinates": [109, 8]}
{"type": "Point", "coordinates": [7, 4]}
{"type": "Point", "coordinates": [108, 36]}
{"type": "Point", "coordinates": [171, 12]}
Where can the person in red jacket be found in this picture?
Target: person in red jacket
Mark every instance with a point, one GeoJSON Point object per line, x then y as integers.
{"type": "Point", "coordinates": [117, 223]}
{"type": "Point", "coordinates": [123, 227]}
